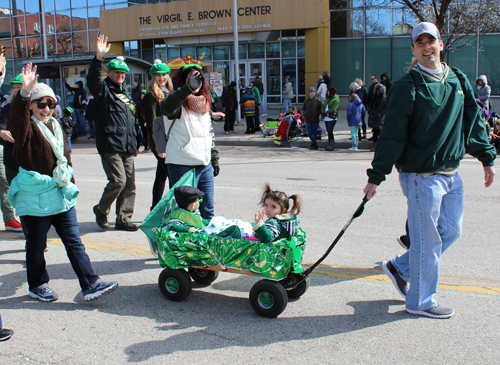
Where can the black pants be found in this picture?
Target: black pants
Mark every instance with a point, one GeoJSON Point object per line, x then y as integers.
{"type": "Point", "coordinates": [229, 120]}
{"type": "Point", "coordinates": [376, 133]}
{"type": "Point", "coordinates": [160, 180]}
{"type": "Point", "coordinates": [250, 124]}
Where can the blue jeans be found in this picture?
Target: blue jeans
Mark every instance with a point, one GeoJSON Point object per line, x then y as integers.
{"type": "Point", "coordinates": [329, 128]}
{"type": "Point", "coordinates": [69, 144]}
{"type": "Point", "coordinates": [287, 103]}
{"type": "Point", "coordinates": [262, 107]}
{"type": "Point", "coordinates": [312, 131]}
{"type": "Point", "coordinates": [204, 181]}
{"type": "Point", "coordinates": [67, 229]}
{"type": "Point", "coordinates": [435, 210]}
{"type": "Point", "coordinates": [80, 120]}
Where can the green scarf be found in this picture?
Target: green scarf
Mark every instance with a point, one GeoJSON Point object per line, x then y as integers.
{"type": "Point", "coordinates": [187, 217]}
{"type": "Point", "coordinates": [62, 173]}
{"type": "Point", "coordinates": [125, 98]}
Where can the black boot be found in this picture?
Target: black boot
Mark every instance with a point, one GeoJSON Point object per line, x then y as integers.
{"type": "Point", "coordinates": [314, 146]}
{"type": "Point", "coordinates": [331, 145]}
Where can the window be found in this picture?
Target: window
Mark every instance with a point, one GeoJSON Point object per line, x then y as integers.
{"type": "Point", "coordinates": [403, 21]}
{"type": "Point", "coordinates": [186, 50]}
{"type": "Point", "coordinates": [378, 22]}
{"type": "Point", "coordinates": [173, 53]}
{"type": "Point", "coordinates": [488, 61]}
{"type": "Point", "coordinates": [242, 51]}
{"type": "Point", "coordinates": [256, 50]}
{"type": "Point", "coordinates": [273, 84]}
{"type": "Point", "coordinates": [221, 52]}
{"type": "Point", "coordinates": [347, 24]}
{"type": "Point", "coordinates": [288, 49]}
{"type": "Point", "coordinates": [378, 57]}
{"type": "Point", "coordinates": [36, 27]}
{"type": "Point", "coordinates": [273, 50]}
{"type": "Point", "coordinates": [205, 51]}
{"type": "Point", "coordinates": [346, 60]}
{"type": "Point", "coordinates": [50, 28]}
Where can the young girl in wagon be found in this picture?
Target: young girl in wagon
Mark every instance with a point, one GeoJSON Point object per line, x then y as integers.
{"type": "Point", "coordinates": [282, 220]}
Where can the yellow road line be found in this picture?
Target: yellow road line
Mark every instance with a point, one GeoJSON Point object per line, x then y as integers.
{"type": "Point", "coordinates": [352, 273]}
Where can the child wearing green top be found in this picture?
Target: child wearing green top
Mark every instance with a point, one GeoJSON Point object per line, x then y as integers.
{"type": "Point", "coordinates": [282, 221]}
{"type": "Point", "coordinates": [186, 217]}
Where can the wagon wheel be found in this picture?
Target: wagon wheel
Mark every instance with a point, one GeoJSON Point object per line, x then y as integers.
{"type": "Point", "coordinates": [291, 281]}
{"type": "Point", "coordinates": [202, 276]}
{"type": "Point", "coordinates": [175, 284]}
{"type": "Point", "coordinates": [268, 298]}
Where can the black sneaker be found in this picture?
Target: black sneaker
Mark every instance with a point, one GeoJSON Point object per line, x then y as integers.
{"type": "Point", "coordinates": [404, 241]}
{"type": "Point", "coordinates": [392, 273]}
{"type": "Point", "coordinates": [98, 289]}
{"type": "Point", "coordinates": [438, 311]}
{"type": "Point", "coordinates": [5, 334]}
{"type": "Point", "coordinates": [100, 218]}
{"type": "Point", "coordinates": [126, 226]}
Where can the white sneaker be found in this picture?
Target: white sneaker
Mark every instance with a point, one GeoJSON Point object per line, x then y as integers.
{"type": "Point", "coordinates": [227, 132]}
{"type": "Point", "coordinates": [353, 149]}
{"type": "Point", "coordinates": [214, 123]}
{"type": "Point", "coordinates": [234, 131]}
{"type": "Point", "coordinates": [263, 115]}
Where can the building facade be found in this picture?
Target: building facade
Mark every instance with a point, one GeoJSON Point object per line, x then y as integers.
{"type": "Point", "coordinates": [300, 38]}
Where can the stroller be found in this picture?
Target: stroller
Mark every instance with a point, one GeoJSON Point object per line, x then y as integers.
{"type": "Point", "coordinates": [199, 257]}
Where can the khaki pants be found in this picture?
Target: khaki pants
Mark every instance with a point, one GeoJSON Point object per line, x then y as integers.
{"type": "Point", "coordinates": [120, 171]}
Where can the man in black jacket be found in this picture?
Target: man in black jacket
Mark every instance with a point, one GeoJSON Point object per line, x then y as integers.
{"type": "Point", "coordinates": [116, 138]}
{"type": "Point", "coordinates": [230, 104]}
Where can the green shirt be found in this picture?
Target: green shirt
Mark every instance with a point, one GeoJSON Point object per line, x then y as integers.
{"type": "Point", "coordinates": [421, 136]}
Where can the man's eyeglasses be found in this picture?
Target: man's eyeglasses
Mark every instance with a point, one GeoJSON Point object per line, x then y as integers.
{"type": "Point", "coordinates": [372, 78]}
{"type": "Point", "coordinates": [41, 105]}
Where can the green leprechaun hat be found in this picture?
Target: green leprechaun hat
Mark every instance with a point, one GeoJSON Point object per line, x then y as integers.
{"type": "Point", "coordinates": [17, 80]}
{"type": "Point", "coordinates": [118, 64]}
{"type": "Point", "coordinates": [159, 68]}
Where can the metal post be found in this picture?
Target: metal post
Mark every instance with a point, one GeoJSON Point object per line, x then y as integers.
{"type": "Point", "coordinates": [44, 33]}
{"type": "Point", "coordinates": [236, 57]}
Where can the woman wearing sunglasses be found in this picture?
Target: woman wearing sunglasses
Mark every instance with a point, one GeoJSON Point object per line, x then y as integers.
{"type": "Point", "coordinates": [43, 192]}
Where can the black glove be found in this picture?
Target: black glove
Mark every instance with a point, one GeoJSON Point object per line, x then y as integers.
{"type": "Point", "coordinates": [194, 82]}
{"type": "Point", "coordinates": [216, 170]}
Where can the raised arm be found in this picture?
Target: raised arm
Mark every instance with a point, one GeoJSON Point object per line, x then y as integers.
{"type": "Point", "coordinates": [94, 80]}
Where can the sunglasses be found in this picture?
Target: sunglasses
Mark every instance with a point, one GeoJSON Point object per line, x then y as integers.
{"type": "Point", "coordinates": [41, 105]}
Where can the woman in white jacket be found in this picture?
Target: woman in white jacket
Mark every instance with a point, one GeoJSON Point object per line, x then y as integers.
{"type": "Point", "coordinates": [185, 138]}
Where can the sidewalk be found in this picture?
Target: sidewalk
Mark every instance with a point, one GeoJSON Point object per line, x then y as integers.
{"type": "Point", "coordinates": [341, 132]}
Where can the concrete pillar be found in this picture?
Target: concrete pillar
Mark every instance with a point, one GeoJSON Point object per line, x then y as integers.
{"type": "Point", "coordinates": [317, 45]}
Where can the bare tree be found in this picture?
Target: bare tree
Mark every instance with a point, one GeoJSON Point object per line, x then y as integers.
{"type": "Point", "coordinates": [458, 20]}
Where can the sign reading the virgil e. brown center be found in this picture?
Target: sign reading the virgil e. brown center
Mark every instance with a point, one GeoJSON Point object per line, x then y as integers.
{"type": "Point", "coordinates": [202, 17]}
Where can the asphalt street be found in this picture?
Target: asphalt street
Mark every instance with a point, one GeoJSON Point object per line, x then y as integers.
{"type": "Point", "coordinates": [351, 313]}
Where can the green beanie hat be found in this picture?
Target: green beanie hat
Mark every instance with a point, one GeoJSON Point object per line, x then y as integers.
{"type": "Point", "coordinates": [69, 110]}
{"type": "Point", "coordinates": [159, 68]}
{"type": "Point", "coordinates": [118, 64]}
{"type": "Point", "coordinates": [17, 80]}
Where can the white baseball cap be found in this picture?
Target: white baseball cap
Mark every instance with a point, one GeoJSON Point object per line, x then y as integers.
{"type": "Point", "coordinates": [424, 28]}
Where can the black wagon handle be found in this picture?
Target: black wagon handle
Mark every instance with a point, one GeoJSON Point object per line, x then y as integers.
{"type": "Point", "coordinates": [356, 214]}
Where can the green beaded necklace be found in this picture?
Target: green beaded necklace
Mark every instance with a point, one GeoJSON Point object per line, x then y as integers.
{"type": "Point", "coordinates": [429, 91]}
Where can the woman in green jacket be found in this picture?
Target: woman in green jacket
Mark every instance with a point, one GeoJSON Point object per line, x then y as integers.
{"type": "Point", "coordinates": [329, 111]}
